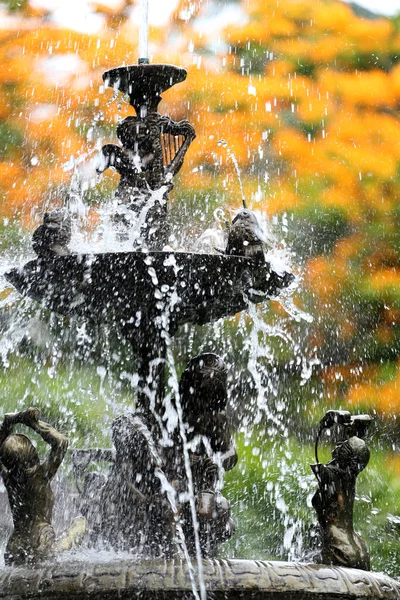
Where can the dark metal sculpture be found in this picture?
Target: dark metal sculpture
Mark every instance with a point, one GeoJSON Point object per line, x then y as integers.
{"type": "Point", "coordinates": [128, 509]}
{"type": "Point", "coordinates": [27, 482]}
{"type": "Point", "coordinates": [334, 499]}
{"type": "Point", "coordinates": [245, 237]}
{"type": "Point", "coordinates": [153, 148]}
{"type": "Point", "coordinates": [165, 289]}
{"type": "Point", "coordinates": [53, 236]}
{"type": "Point", "coordinates": [147, 295]}
{"type": "Point", "coordinates": [203, 398]}
{"type": "Point", "coordinates": [135, 515]}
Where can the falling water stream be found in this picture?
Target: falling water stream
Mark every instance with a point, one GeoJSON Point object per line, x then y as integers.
{"type": "Point", "coordinates": [232, 157]}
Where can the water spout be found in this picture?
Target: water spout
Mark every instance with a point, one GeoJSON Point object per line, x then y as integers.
{"type": "Point", "coordinates": [144, 32]}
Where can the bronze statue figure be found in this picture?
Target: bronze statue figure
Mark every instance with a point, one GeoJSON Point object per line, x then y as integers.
{"type": "Point", "coordinates": [53, 236]}
{"type": "Point", "coordinates": [245, 237]}
{"type": "Point", "coordinates": [27, 482]}
{"type": "Point", "coordinates": [203, 397]}
{"type": "Point", "coordinates": [334, 499]}
{"type": "Point", "coordinates": [128, 509]}
{"type": "Point", "coordinates": [135, 515]}
{"type": "Point", "coordinates": [147, 163]}
{"type": "Point", "coordinates": [125, 508]}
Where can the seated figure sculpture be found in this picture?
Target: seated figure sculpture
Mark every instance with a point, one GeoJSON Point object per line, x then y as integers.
{"type": "Point", "coordinates": [129, 509]}
{"type": "Point", "coordinates": [334, 499]}
{"type": "Point", "coordinates": [27, 482]}
{"type": "Point", "coordinates": [125, 508]}
{"type": "Point", "coordinates": [142, 162]}
{"type": "Point", "coordinates": [135, 514]}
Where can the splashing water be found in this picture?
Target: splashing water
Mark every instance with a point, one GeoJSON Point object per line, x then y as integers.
{"type": "Point", "coordinates": [175, 386]}
{"type": "Point", "coordinates": [233, 158]}
{"type": "Point", "coordinates": [170, 492]}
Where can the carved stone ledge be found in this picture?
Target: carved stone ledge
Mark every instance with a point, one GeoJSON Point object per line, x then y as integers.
{"type": "Point", "coordinates": [124, 578]}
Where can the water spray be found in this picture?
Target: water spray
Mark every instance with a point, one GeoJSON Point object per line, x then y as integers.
{"type": "Point", "coordinates": [233, 158]}
{"type": "Point", "coordinates": [144, 33]}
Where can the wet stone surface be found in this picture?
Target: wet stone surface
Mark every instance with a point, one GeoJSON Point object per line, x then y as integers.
{"type": "Point", "coordinates": [228, 579]}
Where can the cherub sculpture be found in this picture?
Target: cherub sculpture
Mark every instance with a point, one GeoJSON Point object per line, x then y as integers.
{"type": "Point", "coordinates": [27, 482]}
{"type": "Point", "coordinates": [334, 499]}
{"type": "Point", "coordinates": [142, 161]}
{"type": "Point", "coordinates": [128, 509]}
{"type": "Point", "coordinates": [135, 514]}
{"type": "Point", "coordinates": [203, 397]}
{"type": "Point", "coordinates": [147, 166]}
{"type": "Point", "coordinates": [53, 236]}
{"type": "Point", "coordinates": [125, 508]}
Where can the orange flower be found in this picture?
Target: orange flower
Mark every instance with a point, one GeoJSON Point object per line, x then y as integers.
{"type": "Point", "coordinates": [364, 395]}
{"type": "Point", "coordinates": [370, 35]}
{"type": "Point", "coordinates": [385, 279]}
{"type": "Point", "coordinates": [363, 88]}
{"type": "Point", "coordinates": [332, 16]}
{"type": "Point", "coordinates": [281, 198]}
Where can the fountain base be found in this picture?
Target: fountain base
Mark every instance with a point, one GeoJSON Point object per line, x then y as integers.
{"type": "Point", "coordinates": [124, 578]}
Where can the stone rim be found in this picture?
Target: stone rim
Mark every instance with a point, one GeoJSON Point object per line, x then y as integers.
{"type": "Point", "coordinates": [227, 578]}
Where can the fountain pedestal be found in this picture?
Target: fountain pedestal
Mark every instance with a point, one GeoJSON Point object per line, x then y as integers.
{"type": "Point", "coordinates": [124, 579]}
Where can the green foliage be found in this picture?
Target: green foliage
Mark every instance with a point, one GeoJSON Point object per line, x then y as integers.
{"type": "Point", "coordinates": [309, 130]}
{"type": "Point", "coordinates": [315, 229]}
{"type": "Point", "coordinates": [11, 138]}
{"type": "Point", "coordinates": [74, 397]}
{"type": "Point", "coordinates": [15, 100]}
{"type": "Point", "coordinates": [305, 68]}
{"type": "Point", "coordinates": [366, 61]}
{"type": "Point", "coordinates": [11, 237]}
{"type": "Point", "coordinates": [100, 193]}
{"type": "Point", "coordinates": [377, 511]}
{"type": "Point", "coordinates": [268, 492]}
{"type": "Point", "coordinates": [16, 5]}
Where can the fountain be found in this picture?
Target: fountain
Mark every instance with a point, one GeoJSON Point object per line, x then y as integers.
{"type": "Point", "coordinates": [160, 512]}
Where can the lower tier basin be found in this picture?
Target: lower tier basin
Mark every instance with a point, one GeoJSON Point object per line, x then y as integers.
{"type": "Point", "coordinates": [190, 287]}
{"type": "Point", "coordinates": [127, 578]}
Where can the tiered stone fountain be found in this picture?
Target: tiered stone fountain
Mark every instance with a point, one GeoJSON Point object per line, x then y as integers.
{"type": "Point", "coordinates": [147, 293]}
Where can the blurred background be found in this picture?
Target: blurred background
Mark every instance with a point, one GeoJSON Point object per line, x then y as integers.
{"type": "Point", "coordinates": [304, 95]}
